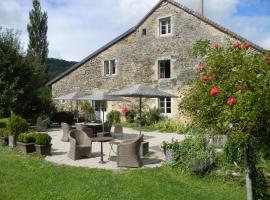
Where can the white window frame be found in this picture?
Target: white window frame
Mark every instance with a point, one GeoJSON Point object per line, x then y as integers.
{"type": "Point", "coordinates": [159, 70]}
{"type": "Point", "coordinates": [108, 68]}
{"type": "Point", "coordinates": [165, 107]}
{"type": "Point", "coordinates": [168, 26]}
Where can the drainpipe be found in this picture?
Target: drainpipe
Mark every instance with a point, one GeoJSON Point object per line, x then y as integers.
{"type": "Point", "coordinates": [201, 7]}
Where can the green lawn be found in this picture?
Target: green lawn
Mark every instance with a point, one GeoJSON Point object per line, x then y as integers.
{"type": "Point", "coordinates": [30, 177]}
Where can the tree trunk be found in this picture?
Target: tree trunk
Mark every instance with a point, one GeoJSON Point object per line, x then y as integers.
{"type": "Point", "coordinates": [248, 171]}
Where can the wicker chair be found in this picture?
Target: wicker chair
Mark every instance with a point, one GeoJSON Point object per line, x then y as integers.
{"type": "Point", "coordinates": [80, 145]}
{"type": "Point", "coordinates": [107, 130]}
{"type": "Point", "coordinates": [89, 131]}
{"type": "Point", "coordinates": [128, 153]}
{"type": "Point", "coordinates": [66, 128]}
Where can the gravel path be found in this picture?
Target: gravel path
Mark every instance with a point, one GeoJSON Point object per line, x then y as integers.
{"type": "Point", "coordinates": [153, 159]}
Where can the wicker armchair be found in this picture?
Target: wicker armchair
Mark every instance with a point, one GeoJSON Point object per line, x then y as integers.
{"type": "Point", "coordinates": [107, 130]}
{"type": "Point", "coordinates": [128, 153]}
{"type": "Point", "coordinates": [89, 131]}
{"type": "Point", "coordinates": [66, 128]}
{"type": "Point", "coordinates": [80, 145]}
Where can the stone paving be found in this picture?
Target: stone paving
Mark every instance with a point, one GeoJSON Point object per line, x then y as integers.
{"type": "Point", "coordinates": [153, 159]}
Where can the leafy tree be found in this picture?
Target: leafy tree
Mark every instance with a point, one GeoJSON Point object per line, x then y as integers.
{"type": "Point", "coordinates": [37, 30]}
{"type": "Point", "coordinates": [232, 95]}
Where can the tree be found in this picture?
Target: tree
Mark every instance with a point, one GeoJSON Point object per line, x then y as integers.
{"type": "Point", "coordinates": [37, 31]}
{"type": "Point", "coordinates": [232, 95]}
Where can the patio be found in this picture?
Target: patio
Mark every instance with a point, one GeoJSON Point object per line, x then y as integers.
{"type": "Point", "coordinates": [153, 159]}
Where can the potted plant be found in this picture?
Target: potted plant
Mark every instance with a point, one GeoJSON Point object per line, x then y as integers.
{"type": "Point", "coordinates": [16, 125]}
{"type": "Point", "coordinates": [43, 144]}
{"type": "Point", "coordinates": [4, 133]}
{"type": "Point", "coordinates": [26, 142]}
{"type": "Point", "coordinates": [169, 149]}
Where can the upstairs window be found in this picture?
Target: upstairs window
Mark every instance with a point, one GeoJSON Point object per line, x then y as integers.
{"type": "Point", "coordinates": [165, 26]}
{"type": "Point", "coordinates": [165, 105]}
{"type": "Point", "coordinates": [164, 69]}
{"type": "Point", "coordinates": [109, 67]}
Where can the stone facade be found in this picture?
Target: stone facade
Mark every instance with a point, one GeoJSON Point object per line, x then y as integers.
{"type": "Point", "coordinates": [137, 57]}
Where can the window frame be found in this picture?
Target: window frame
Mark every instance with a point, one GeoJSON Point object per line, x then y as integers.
{"type": "Point", "coordinates": [165, 109]}
{"type": "Point", "coordinates": [165, 22]}
{"type": "Point", "coordinates": [109, 67]}
{"type": "Point", "coordinates": [164, 66]}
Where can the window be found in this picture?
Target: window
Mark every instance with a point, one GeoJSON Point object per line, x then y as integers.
{"type": "Point", "coordinates": [164, 69]}
{"type": "Point", "coordinates": [109, 67]}
{"type": "Point", "coordinates": [165, 105]}
{"type": "Point", "coordinates": [143, 32]}
{"type": "Point", "coordinates": [165, 26]}
{"type": "Point", "coordinates": [99, 106]}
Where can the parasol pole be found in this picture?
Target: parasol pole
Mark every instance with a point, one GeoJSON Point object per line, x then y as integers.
{"type": "Point", "coordinates": [140, 115]}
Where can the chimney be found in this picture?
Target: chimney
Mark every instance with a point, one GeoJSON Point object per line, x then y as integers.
{"type": "Point", "coordinates": [201, 7]}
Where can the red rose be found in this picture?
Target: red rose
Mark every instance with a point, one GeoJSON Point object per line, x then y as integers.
{"type": "Point", "coordinates": [216, 46]}
{"type": "Point", "coordinates": [231, 101]}
{"type": "Point", "coordinates": [201, 68]}
{"type": "Point", "coordinates": [207, 79]}
{"type": "Point", "coordinates": [247, 46]}
{"type": "Point", "coordinates": [237, 44]}
{"type": "Point", "coordinates": [214, 91]}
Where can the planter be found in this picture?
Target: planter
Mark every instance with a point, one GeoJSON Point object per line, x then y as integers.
{"type": "Point", "coordinates": [169, 156]}
{"type": "Point", "coordinates": [12, 139]}
{"type": "Point", "coordinates": [200, 165]}
{"type": "Point", "coordinates": [26, 147]}
{"type": "Point", "coordinates": [4, 140]}
{"type": "Point", "coordinates": [43, 150]}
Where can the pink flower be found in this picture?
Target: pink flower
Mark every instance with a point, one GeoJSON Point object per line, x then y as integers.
{"type": "Point", "coordinates": [247, 46]}
{"type": "Point", "coordinates": [214, 91]}
{"type": "Point", "coordinates": [201, 68]}
{"type": "Point", "coordinates": [123, 110]}
{"type": "Point", "coordinates": [216, 46]}
{"type": "Point", "coordinates": [237, 44]}
{"type": "Point", "coordinates": [231, 101]}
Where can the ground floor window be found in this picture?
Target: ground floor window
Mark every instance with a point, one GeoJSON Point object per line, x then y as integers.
{"type": "Point", "coordinates": [99, 106]}
{"type": "Point", "coordinates": [165, 105]}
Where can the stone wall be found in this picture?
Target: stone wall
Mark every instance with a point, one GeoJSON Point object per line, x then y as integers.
{"type": "Point", "coordinates": [137, 57]}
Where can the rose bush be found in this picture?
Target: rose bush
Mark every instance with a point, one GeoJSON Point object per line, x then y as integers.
{"type": "Point", "coordinates": [241, 78]}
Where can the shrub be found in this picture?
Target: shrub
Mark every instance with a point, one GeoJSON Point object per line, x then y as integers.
{"type": "Point", "coordinates": [17, 125]}
{"type": "Point", "coordinates": [63, 116]}
{"type": "Point", "coordinates": [151, 116]}
{"type": "Point", "coordinates": [130, 116]}
{"type": "Point", "coordinates": [169, 126]}
{"type": "Point", "coordinates": [4, 132]}
{"type": "Point", "coordinates": [43, 139]}
{"type": "Point", "coordinates": [87, 111]}
{"type": "Point", "coordinates": [26, 138]}
{"type": "Point", "coordinates": [113, 116]}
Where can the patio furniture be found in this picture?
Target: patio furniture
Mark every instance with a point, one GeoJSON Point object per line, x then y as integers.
{"type": "Point", "coordinates": [128, 153]}
{"type": "Point", "coordinates": [80, 145]}
{"type": "Point", "coordinates": [118, 130]}
{"type": "Point", "coordinates": [89, 131]}
{"type": "Point", "coordinates": [96, 127]}
{"type": "Point", "coordinates": [66, 128]}
{"type": "Point", "coordinates": [101, 140]}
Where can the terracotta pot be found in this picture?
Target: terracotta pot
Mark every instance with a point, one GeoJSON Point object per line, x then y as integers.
{"type": "Point", "coordinates": [26, 147]}
{"type": "Point", "coordinates": [43, 150]}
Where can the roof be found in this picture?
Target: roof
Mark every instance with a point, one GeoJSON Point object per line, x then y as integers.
{"type": "Point", "coordinates": [133, 29]}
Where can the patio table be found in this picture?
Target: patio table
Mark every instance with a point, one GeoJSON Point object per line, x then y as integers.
{"type": "Point", "coordinates": [101, 140]}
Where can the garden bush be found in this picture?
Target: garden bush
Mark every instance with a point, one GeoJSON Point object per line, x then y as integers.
{"type": "Point", "coordinates": [43, 139]}
{"type": "Point", "coordinates": [169, 126]}
{"type": "Point", "coordinates": [113, 116]}
{"type": "Point", "coordinates": [130, 116]}
{"type": "Point", "coordinates": [63, 116]}
{"type": "Point", "coordinates": [151, 116]}
{"type": "Point", "coordinates": [26, 138]}
{"type": "Point", "coordinates": [17, 125]}
{"type": "Point", "coordinates": [4, 132]}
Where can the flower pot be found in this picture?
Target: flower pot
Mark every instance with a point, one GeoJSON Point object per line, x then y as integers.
{"type": "Point", "coordinates": [12, 139]}
{"type": "Point", "coordinates": [169, 156]}
{"type": "Point", "coordinates": [26, 147]}
{"type": "Point", "coordinates": [43, 150]}
{"type": "Point", "coordinates": [198, 165]}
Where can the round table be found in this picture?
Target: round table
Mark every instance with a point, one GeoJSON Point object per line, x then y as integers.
{"type": "Point", "coordinates": [101, 140]}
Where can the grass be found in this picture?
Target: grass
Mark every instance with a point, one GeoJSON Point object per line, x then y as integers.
{"type": "Point", "coordinates": [30, 177]}
{"type": "Point", "coordinates": [165, 126]}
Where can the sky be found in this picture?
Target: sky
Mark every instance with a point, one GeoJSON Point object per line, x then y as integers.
{"type": "Point", "coordinates": [77, 28]}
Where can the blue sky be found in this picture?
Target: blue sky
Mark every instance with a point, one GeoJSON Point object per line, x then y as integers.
{"type": "Point", "coordinates": [79, 27]}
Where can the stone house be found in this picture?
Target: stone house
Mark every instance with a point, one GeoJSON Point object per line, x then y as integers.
{"type": "Point", "coordinates": [155, 52]}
